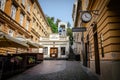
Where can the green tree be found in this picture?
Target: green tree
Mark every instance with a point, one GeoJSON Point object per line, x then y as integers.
{"type": "Point", "coordinates": [69, 25]}
{"type": "Point", "coordinates": [52, 18]}
{"type": "Point", "coordinates": [70, 34]}
{"type": "Point", "coordinates": [57, 21]}
{"type": "Point", "coordinates": [52, 24]}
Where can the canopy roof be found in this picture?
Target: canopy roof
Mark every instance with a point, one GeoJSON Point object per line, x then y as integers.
{"type": "Point", "coordinates": [39, 46]}
{"type": "Point", "coordinates": [8, 41]}
{"type": "Point", "coordinates": [29, 42]}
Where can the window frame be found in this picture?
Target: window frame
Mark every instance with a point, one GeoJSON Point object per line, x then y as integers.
{"type": "Point", "coordinates": [1, 26]}
{"type": "Point", "coordinates": [13, 11]}
{"type": "Point", "coordinates": [11, 33]}
{"type": "Point", "coordinates": [2, 4]}
{"type": "Point", "coordinates": [28, 7]}
{"type": "Point", "coordinates": [23, 2]}
{"type": "Point", "coordinates": [27, 24]}
{"type": "Point", "coordinates": [21, 19]}
{"type": "Point", "coordinates": [45, 50]}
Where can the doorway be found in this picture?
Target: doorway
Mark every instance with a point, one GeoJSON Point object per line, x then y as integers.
{"type": "Point", "coordinates": [54, 52]}
{"type": "Point", "coordinates": [96, 49]}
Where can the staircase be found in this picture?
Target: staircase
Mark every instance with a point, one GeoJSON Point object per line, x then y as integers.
{"type": "Point", "coordinates": [71, 55]}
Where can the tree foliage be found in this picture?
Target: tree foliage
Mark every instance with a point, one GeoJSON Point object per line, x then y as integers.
{"type": "Point", "coordinates": [69, 25]}
{"type": "Point", "coordinates": [70, 34]}
{"type": "Point", "coordinates": [52, 24]}
{"type": "Point", "coordinates": [57, 21]}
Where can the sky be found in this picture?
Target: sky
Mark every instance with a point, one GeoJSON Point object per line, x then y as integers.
{"type": "Point", "coordinates": [61, 9]}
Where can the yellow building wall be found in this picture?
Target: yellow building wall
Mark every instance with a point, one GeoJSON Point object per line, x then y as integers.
{"type": "Point", "coordinates": [37, 13]}
{"type": "Point", "coordinates": [108, 25]}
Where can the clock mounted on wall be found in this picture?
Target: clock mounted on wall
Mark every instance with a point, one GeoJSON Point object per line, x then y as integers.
{"type": "Point", "coordinates": [86, 16]}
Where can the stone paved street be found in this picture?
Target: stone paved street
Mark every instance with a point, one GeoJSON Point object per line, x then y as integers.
{"type": "Point", "coordinates": [57, 70]}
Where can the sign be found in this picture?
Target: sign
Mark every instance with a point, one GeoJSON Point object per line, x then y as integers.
{"type": "Point", "coordinates": [79, 29]}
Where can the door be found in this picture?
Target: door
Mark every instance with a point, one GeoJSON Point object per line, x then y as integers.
{"type": "Point", "coordinates": [96, 50]}
{"type": "Point", "coordinates": [53, 52]}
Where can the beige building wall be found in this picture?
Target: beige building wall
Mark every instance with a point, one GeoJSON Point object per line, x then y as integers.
{"type": "Point", "coordinates": [31, 24]}
{"type": "Point", "coordinates": [102, 33]}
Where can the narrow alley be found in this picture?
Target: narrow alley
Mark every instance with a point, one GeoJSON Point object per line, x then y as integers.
{"type": "Point", "coordinates": [59, 40]}
{"type": "Point", "coordinates": [57, 70]}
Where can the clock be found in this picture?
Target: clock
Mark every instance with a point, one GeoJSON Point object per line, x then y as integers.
{"type": "Point", "coordinates": [86, 16]}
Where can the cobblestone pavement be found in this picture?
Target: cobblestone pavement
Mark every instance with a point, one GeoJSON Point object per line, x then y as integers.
{"type": "Point", "coordinates": [57, 70]}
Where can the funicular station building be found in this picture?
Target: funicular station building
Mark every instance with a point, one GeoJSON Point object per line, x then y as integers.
{"type": "Point", "coordinates": [56, 45]}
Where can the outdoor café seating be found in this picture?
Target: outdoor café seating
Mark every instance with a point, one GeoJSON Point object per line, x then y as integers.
{"type": "Point", "coordinates": [14, 63]}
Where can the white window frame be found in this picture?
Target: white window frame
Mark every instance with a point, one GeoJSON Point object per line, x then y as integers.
{"type": "Point", "coordinates": [45, 50]}
{"type": "Point", "coordinates": [2, 4]}
{"type": "Point", "coordinates": [1, 25]}
{"type": "Point", "coordinates": [10, 32]}
{"type": "Point", "coordinates": [21, 19]}
{"type": "Point", "coordinates": [23, 2]}
{"type": "Point", "coordinates": [27, 24]}
{"type": "Point", "coordinates": [28, 7]}
{"type": "Point", "coordinates": [13, 12]}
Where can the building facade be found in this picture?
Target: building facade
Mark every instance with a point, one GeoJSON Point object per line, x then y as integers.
{"type": "Point", "coordinates": [101, 40]}
{"type": "Point", "coordinates": [23, 18]}
{"type": "Point", "coordinates": [55, 46]}
{"type": "Point", "coordinates": [77, 47]}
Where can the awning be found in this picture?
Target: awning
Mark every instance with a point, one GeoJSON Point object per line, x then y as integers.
{"type": "Point", "coordinates": [30, 43]}
{"type": "Point", "coordinates": [39, 46]}
{"type": "Point", "coordinates": [8, 41]}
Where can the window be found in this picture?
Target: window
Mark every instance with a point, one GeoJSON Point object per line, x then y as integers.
{"type": "Point", "coordinates": [11, 32]}
{"type": "Point", "coordinates": [27, 24]}
{"type": "Point", "coordinates": [102, 49]}
{"type": "Point", "coordinates": [1, 25]}
{"type": "Point", "coordinates": [33, 24]}
{"type": "Point", "coordinates": [23, 2]}
{"type": "Point", "coordinates": [62, 50]}
{"type": "Point", "coordinates": [45, 50]}
{"type": "Point", "coordinates": [28, 7]}
{"type": "Point", "coordinates": [21, 19]}
{"type": "Point", "coordinates": [13, 12]}
{"type": "Point", "coordinates": [86, 3]}
{"type": "Point", "coordinates": [2, 4]}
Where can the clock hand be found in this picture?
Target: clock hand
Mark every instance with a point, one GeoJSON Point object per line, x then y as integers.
{"type": "Point", "coordinates": [86, 16]}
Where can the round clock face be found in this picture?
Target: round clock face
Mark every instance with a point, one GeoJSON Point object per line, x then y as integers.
{"type": "Point", "coordinates": [86, 17]}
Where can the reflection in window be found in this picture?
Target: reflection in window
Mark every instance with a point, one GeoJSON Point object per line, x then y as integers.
{"type": "Point", "coordinates": [13, 12]}
{"type": "Point", "coordinates": [28, 7]}
{"type": "Point", "coordinates": [45, 50]}
{"type": "Point", "coordinates": [21, 19]}
{"type": "Point", "coordinates": [27, 24]}
{"type": "Point", "coordinates": [2, 4]}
